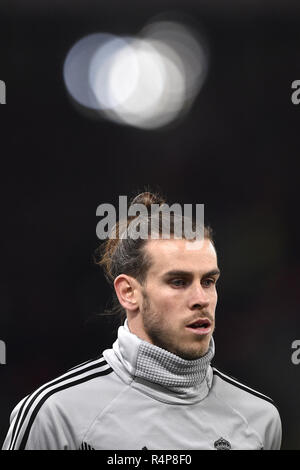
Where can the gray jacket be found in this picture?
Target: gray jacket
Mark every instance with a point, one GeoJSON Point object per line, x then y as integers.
{"type": "Point", "coordinates": [136, 396]}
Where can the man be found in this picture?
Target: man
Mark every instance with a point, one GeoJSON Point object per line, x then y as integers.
{"type": "Point", "coordinates": [156, 388]}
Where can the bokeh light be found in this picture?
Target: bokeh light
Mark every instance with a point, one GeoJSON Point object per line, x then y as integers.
{"type": "Point", "coordinates": [146, 81]}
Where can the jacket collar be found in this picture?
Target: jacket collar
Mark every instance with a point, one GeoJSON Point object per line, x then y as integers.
{"type": "Point", "coordinates": [158, 372]}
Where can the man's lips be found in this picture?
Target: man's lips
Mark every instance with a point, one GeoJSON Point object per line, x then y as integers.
{"type": "Point", "coordinates": [202, 326]}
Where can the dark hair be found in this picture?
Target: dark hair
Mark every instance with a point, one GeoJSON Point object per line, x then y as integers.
{"type": "Point", "coordinates": [127, 255]}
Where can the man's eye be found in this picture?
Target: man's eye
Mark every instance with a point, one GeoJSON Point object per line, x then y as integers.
{"type": "Point", "coordinates": [208, 282]}
{"type": "Point", "coordinates": [178, 282]}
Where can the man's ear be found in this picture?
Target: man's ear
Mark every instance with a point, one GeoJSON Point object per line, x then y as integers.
{"type": "Point", "coordinates": [127, 289]}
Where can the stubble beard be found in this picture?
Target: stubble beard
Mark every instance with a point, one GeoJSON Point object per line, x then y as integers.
{"type": "Point", "coordinates": [161, 338]}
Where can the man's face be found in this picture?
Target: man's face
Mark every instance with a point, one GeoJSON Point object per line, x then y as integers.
{"type": "Point", "coordinates": [179, 291]}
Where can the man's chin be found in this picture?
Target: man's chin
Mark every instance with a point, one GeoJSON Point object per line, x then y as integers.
{"type": "Point", "coordinates": [191, 356]}
{"type": "Point", "coordinates": [183, 348]}
{"type": "Point", "coordinates": [192, 353]}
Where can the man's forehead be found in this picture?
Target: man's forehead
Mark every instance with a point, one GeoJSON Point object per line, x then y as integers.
{"type": "Point", "coordinates": [181, 254]}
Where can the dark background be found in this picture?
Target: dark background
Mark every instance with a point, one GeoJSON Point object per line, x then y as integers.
{"type": "Point", "coordinates": [237, 152]}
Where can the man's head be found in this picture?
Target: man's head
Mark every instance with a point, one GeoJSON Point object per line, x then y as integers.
{"type": "Point", "coordinates": [167, 287]}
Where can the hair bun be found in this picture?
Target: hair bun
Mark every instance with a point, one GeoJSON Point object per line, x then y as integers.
{"type": "Point", "coordinates": [147, 199]}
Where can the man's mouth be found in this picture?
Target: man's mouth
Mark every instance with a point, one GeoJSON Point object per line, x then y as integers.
{"type": "Point", "coordinates": [202, 326]}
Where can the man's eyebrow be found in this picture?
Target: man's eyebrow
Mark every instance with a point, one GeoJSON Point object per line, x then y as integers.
{"type": "Point", "coordinates": [213, 272]}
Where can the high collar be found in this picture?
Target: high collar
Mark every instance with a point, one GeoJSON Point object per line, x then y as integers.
{"type": "Point", "coordinates": [154, 369]}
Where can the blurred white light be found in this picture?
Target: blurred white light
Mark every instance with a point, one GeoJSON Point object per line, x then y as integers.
{"type": "Point", "coordinates": [190, 49]}
{"type": "Point", "coordinates": [101, 70]}
{"type": "Point", "coordinates": [149, 77]}
{"type": "Point", "coordinates": [151, 98]}
{"type": "Point", "coordinates": [145, 82]}
{"type": "Point", "coordinates": [77, 66]}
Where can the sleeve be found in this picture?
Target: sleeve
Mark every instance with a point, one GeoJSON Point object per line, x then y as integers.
{"type": "Point", "coordinates": [273, 434]}
{"type": "Point", "coordinates": [38, 428]}
{"type": "Point", "coordinates": [13, 423]}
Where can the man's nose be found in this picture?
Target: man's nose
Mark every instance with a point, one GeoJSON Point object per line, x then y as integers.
{"type": "Point", "coordinates": [199, 297]}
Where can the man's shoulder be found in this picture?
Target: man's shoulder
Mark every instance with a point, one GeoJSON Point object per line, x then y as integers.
{"type": "Point", "coordinates": [257, 410]}
{"type": "Point", "coordinates": [68, 402]}
{"type": "Point", "coordinates": [78, 387]}
{"type": "Point", "coordinates": [240, 396]}
{"type": "Point", "coordinates": [81, 386]}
